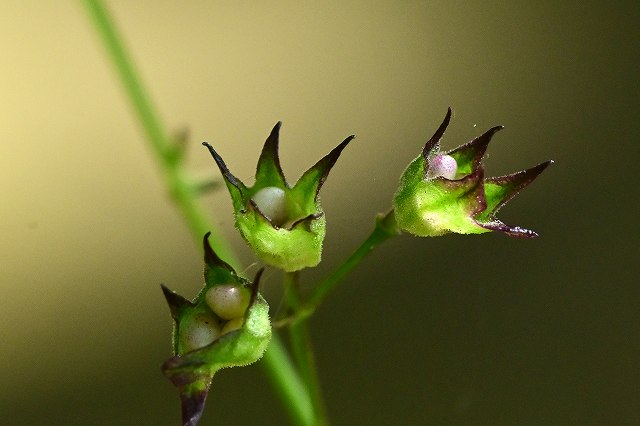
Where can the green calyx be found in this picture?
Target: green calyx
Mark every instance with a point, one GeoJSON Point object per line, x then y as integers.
{"type": "Point", "coordinates": [447, 192]}
{"type": "Point", "coordinates": [284, 225]}
{"type": "Point", "coordinates": [206, 336]}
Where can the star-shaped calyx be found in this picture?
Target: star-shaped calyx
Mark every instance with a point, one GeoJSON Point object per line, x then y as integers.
{"type": "Point", "coordinates": [226, 325]}
{"type": "Point", "coordinates": [443, 192]}
{"type": "Point", "coordinates": [284, 225]}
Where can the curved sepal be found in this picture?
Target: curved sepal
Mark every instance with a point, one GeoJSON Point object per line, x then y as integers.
{"type": "Point", "coordinates": [214, 332]}
{"type": "Point", "coordinates": [192, 372]}
{"type": "Point", "coordinates": [469, 156]}
{"type": "Point", "coordinates": [237, 190]}
{"type": "Point", "coordinates": [268, 171]}
{"type": "Point", "coordinates": [499, 190]}
{"type": "Point", "coordinates": [177, 304]}
{"type": "Point", "coordinates": [433, 144]}
{"type": "Point", "coordinates": [284, 225]}
{"type": "Point", "coordinates": [216, 270]}
{"type": "Point", "coordinates": [311, 181]}
{"type": "Point", "coordinates": [447, 192]}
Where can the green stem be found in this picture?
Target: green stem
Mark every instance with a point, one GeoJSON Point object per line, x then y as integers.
{"type": "Point", "coordinates": [385, 228]}
{"type": "Point", "coordinates": [303, 352]}
{"type": "Point", "coordinates": [164, 148]}
{"type": "Point", "coordinates": [288, 385]}
{"type": "Point", "coordinates": [277, 365]}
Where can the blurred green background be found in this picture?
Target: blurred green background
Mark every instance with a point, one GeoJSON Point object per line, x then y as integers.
{"type": "Point", "coordinates": [454, 330]}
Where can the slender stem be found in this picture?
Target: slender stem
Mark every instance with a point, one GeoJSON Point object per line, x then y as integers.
{"type": "Point", "coordinates": [277, 365]}
{"type": "Point", "coordinates": [164, 148]}
{"type": "Point", "coordinates": [385, 228]}
{"type": "Point", "coordinates": [288, 385]}
{"type": "Point", "coordinates": [302, 350]}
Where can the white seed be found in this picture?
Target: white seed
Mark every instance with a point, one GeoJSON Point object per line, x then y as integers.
{"type": "Point", "coordinates": [443, 165]}
{"type": "Point", "coordinates": [228, 301]}
{"type": "Point", "coordinates": [272, 202]}
{"type": "Point", "coordinates": [233, 324]}
{"type": "Point", "coordinates": [198, 331]}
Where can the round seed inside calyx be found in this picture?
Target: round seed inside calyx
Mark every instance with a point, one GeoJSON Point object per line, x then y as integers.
{"type": "Point", "coordinates": [272, 202]}
{"type": "Point", "coordinates": [228, 301]}
{"type": "Point", "coordinates": [443, 165]}
{"type": "Point", "coordinates": [198, 332]}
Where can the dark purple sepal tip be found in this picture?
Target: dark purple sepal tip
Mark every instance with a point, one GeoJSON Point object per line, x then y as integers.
{"type": "Point", "coordinates": [192, 404]}
{"type": "Point", "coordinates": [211, 258]}
{"type": "Point", "coordinates": [473, 151]}
{"type": "Point", "coordinates": [512, 231]}
{"type": "Point", "coordinates": [513, 183]}
{"type": "Point", "coordinates": [326, 163]}
{"type": "Point", "coordinates": [434, 142]}
{"type": "Point", "coordinates": [176, 302]}
{"type": "Point", "coordinates": [228, 176]}
{"type": "Point", "coordinates": [269, 157]}
{"type": "Point", "coordinates": [255, 287]}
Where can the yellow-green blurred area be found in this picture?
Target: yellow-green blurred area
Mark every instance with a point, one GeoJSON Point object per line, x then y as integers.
{"type": "Point", "coordinates": [451, 330]}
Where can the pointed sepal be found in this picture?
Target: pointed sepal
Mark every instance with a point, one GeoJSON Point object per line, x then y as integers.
{"type": "Point", "coordinates": [469, 156]}
{"type": "Point", "coordinates": [499, 190]}
{"type": "Point", "coordinates": [269, 172]}
{"type": "Point", "coordinates": [433, 144]}
{"type": "Point", "coordinates": [285, 226]}
{"type": "Point", "coordinates": [192, 401]}
{"type": "Point", "coordinates": [177, 304]}
{"type": "Point", "coordinates": [226, 325]}
{"type": "Point", "coordinates": [443, 192]}
{"type": "Point", "coordinates": [311, 181]}
{"type": "Point", "coordinates": [216, 270]}
{"type": "Point", "coordinates": [239, 193]}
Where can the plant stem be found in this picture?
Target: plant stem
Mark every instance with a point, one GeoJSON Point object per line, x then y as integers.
{"type": "Point", "coordinates": [277, 365]}
{"type": "Point", "coordinates": [288, 385]}
{"type": "Point", "coordinates": [302, 350]}
{"type": "Point", "coordinates": [164, 148]}
{"type": "Point", "coordinates": [385, 228]}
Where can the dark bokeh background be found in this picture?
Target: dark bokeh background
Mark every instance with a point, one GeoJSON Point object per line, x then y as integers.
{"type": "Point", "coordinates": [454, 330]}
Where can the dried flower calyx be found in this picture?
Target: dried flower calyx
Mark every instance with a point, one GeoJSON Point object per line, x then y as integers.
{"type": "Point", "coordinates": [284, 225]}
{"type": "Point", "coordinates": [443, 192]}
{"type": "Point", "coordinates": [226, 325]}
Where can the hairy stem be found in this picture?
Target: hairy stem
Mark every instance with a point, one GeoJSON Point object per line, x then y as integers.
{"type": "Point", "coordinates": [277, 365]}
